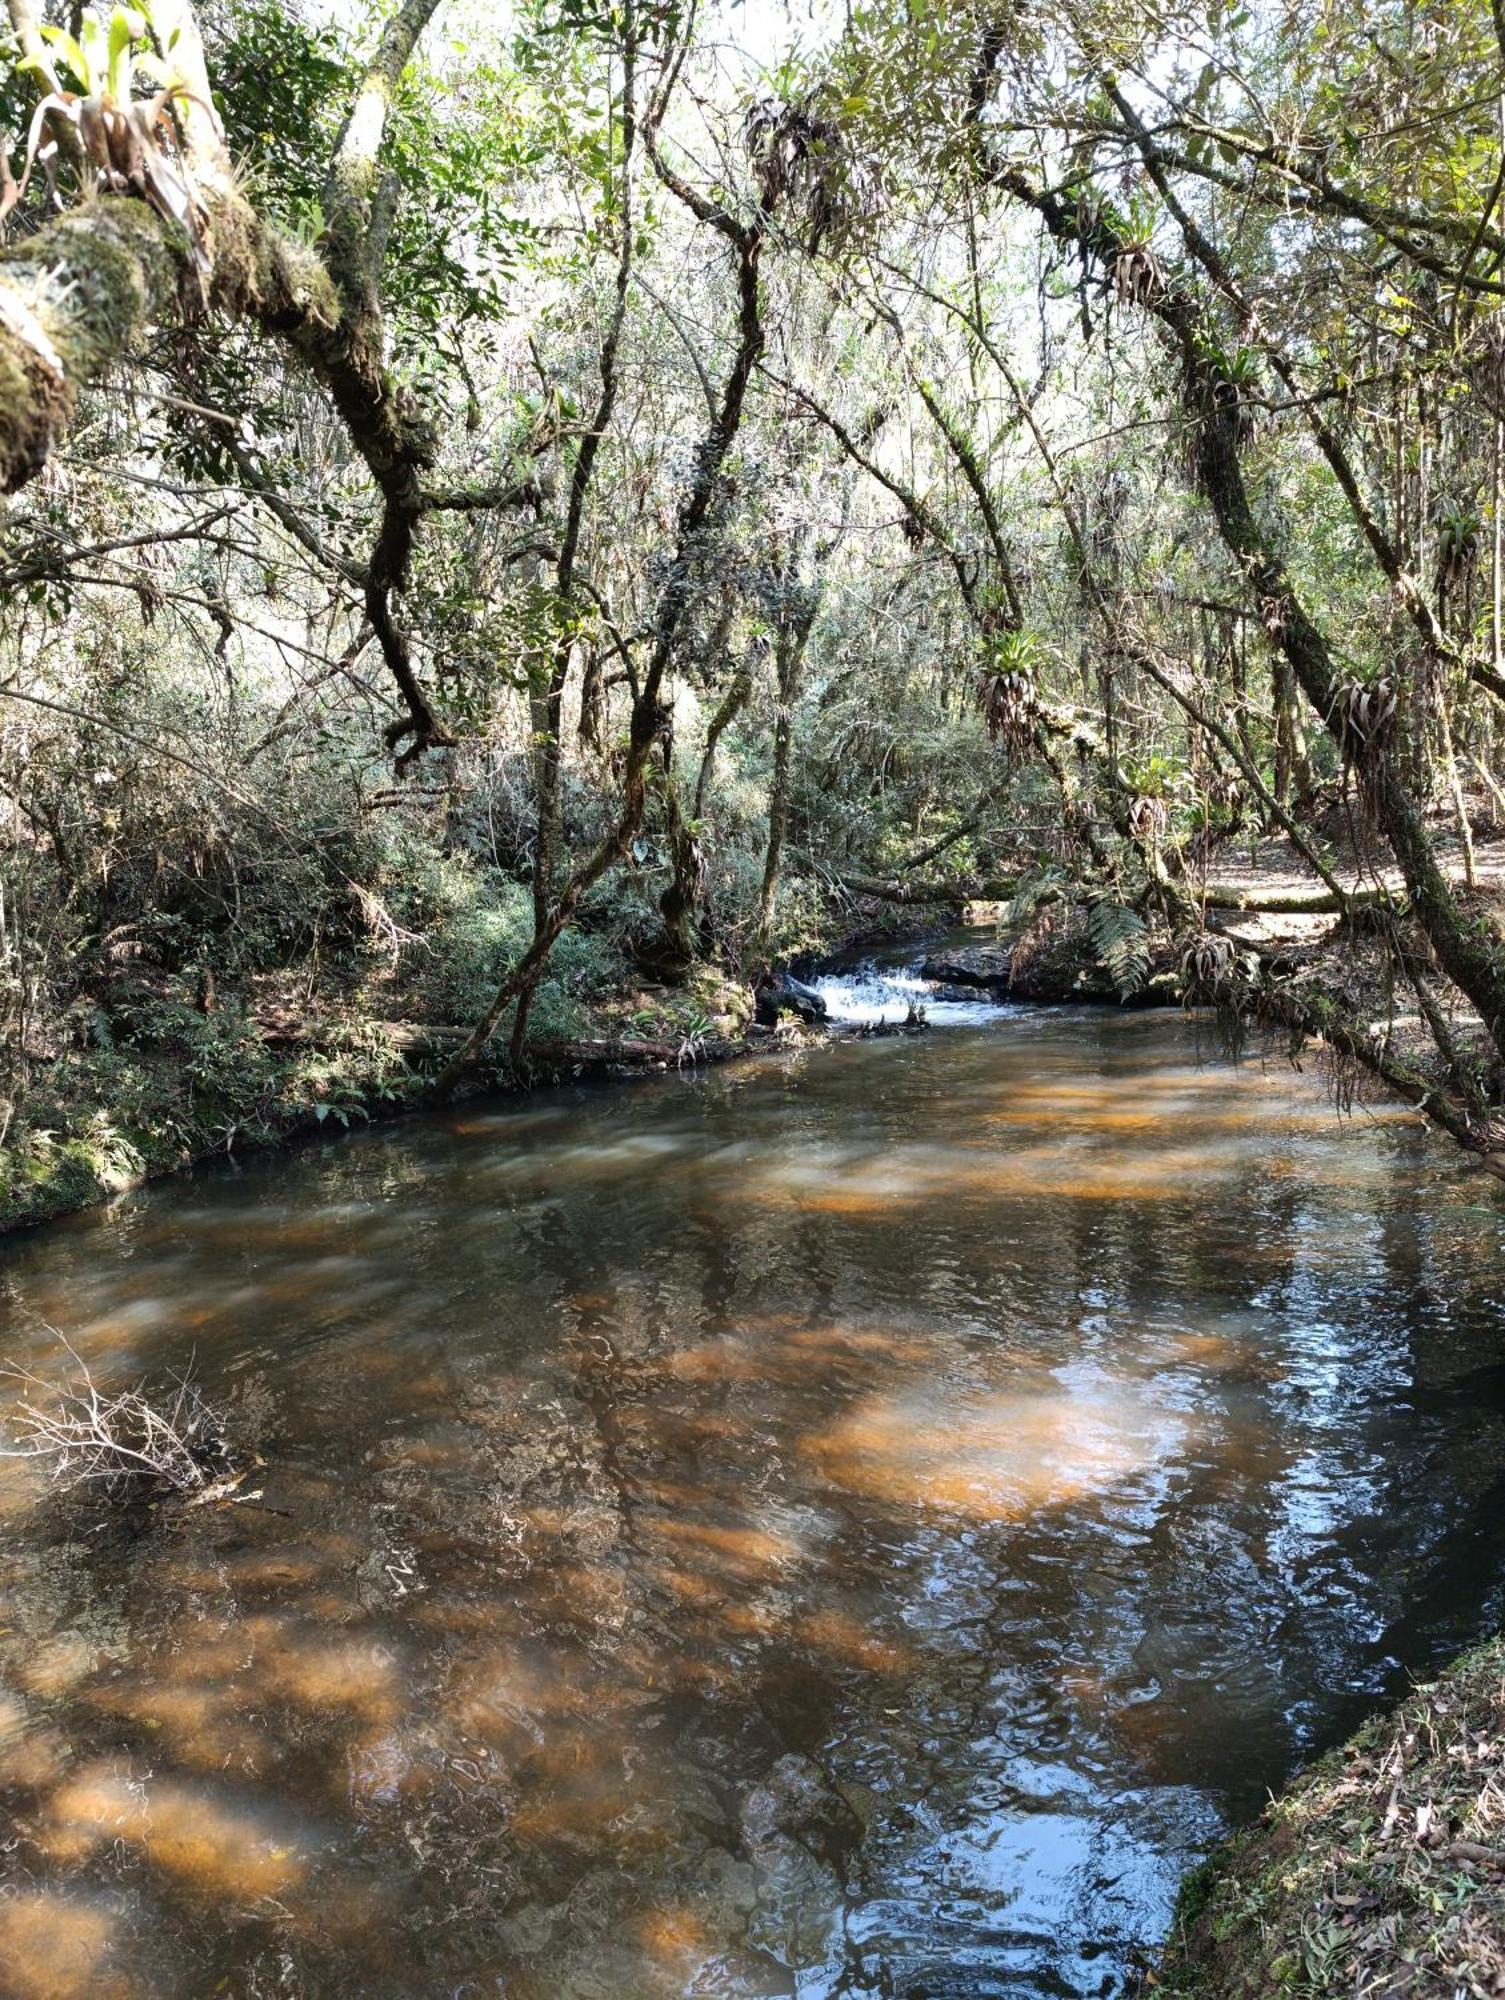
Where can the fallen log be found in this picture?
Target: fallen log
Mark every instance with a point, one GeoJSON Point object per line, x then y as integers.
{"type": "Point", "coordinates": [599, 1052]}
{"type": "Point", "coordinates": [604, 1053]}
{"type": "Point", "coordinates": [1320, 1012]}
{"type": "Point", "coordinates": [971, 890]}
{"type": "Point", "coordinates": [1002, 889]}
{"type": "Point", "coordinates": [1296, 902]}
{"type": "Point", "coordinates": [413, 1038]}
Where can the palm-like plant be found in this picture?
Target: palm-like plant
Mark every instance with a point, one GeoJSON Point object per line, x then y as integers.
{"type": "Point", "coordinates": [128, 144]}
{"type": "Point", "coordinates": [1007, 690]}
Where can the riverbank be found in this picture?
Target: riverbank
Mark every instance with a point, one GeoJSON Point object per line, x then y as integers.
{"type": "Point", "coordinates": [189, 1083]}
{"type": "Point", "coordinates": [1380, 1871]}
{"type": "Point", "coordinates": [162, 1072]}
{"type": "Point", "coordinates": [247, 1075]}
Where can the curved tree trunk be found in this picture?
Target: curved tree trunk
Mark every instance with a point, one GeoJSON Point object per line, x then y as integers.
{"type": "Point", "coordinates": [1468, 948]}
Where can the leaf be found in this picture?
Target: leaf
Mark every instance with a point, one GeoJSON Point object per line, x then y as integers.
{"type": "Point", "coordinates": [70, 52]}
{"type": "Point", "coordinates": [1121, 941]}
{"type": "Point", "coordinates": [94, 44]}
{"type": "Point", "coordinates": [127, 27]}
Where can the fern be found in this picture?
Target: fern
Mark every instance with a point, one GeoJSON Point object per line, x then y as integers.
{"type": "Point", "coordinates": [1122, 944]}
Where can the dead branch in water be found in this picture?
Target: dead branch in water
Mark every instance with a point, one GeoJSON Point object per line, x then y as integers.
{"type": "Point", "coordinates": [130, 1445]}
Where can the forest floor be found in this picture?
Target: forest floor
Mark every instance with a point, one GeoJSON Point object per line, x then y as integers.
{"type": "Point", "coordinates": [1378, 1875]}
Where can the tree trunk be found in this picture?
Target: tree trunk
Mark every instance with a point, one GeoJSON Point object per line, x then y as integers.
{"type": "Point", "coordinates": [1467, 947]}
{"type": "Point", "coordinates": [789, 662]}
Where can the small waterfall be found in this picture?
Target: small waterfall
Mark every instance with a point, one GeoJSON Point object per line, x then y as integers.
{"type": "Point", "coordinates": [871, 993]}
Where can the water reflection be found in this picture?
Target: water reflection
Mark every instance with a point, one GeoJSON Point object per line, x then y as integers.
{"type": "Point", "coordinates": [846, 1527]}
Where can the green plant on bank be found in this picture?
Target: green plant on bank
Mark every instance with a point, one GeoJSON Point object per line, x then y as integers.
{"type": "Point", "coordinates": [692, 1045]}
{"type": "Point", "coordinates": [198, 1085]}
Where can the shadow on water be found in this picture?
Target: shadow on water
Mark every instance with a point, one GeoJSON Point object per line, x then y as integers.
{"type": "Point", "coordinates": [856, 1526]}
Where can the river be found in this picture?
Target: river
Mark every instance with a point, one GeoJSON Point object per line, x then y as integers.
{"type": "Point", "coordinates": [850, 1523]}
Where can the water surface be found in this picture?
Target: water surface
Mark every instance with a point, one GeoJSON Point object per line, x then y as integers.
{"type": "Point", "coordinates": [855, 1524]}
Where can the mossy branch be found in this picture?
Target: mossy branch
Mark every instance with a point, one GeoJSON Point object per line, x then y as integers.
{"type": "Point", "coordinates": [85, 292]}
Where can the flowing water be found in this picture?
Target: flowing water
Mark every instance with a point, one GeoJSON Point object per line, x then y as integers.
{"type": "Point", "coordinates": [854, 1524]}
{"type": "Point", "coordinates": [882, 991]}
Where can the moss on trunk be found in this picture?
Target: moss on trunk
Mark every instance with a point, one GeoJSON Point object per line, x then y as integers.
{"type": "Point", "coordinates": [74, 298]}
{"type": "Point", "coordinates": [86, 291]}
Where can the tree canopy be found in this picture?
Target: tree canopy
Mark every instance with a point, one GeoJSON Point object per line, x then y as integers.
{"type": "Point", "coordinates": [509, 511]}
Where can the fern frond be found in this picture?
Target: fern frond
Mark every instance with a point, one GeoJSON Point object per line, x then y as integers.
{"type": "Point", "coordinates": [1121, 941]}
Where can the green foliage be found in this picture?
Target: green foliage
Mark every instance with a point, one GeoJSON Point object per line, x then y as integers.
{"type": "Point", "coordinates": [1154, 776]}
{"type": "Point", "coordinates": [280, 90]}
{"type": "Point", "coordinates": [477, 929]}
{"type": "Point", "coordinates": [455, 276]}
{"type": "Point", "coordinates": [1016, 652]}
{"type": "Point", "coordinates": [104, 56]}
{"type": "Point", "coordinates": [1121, 940]}
{"type": "Point", "coordinates": [1040, 887]}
